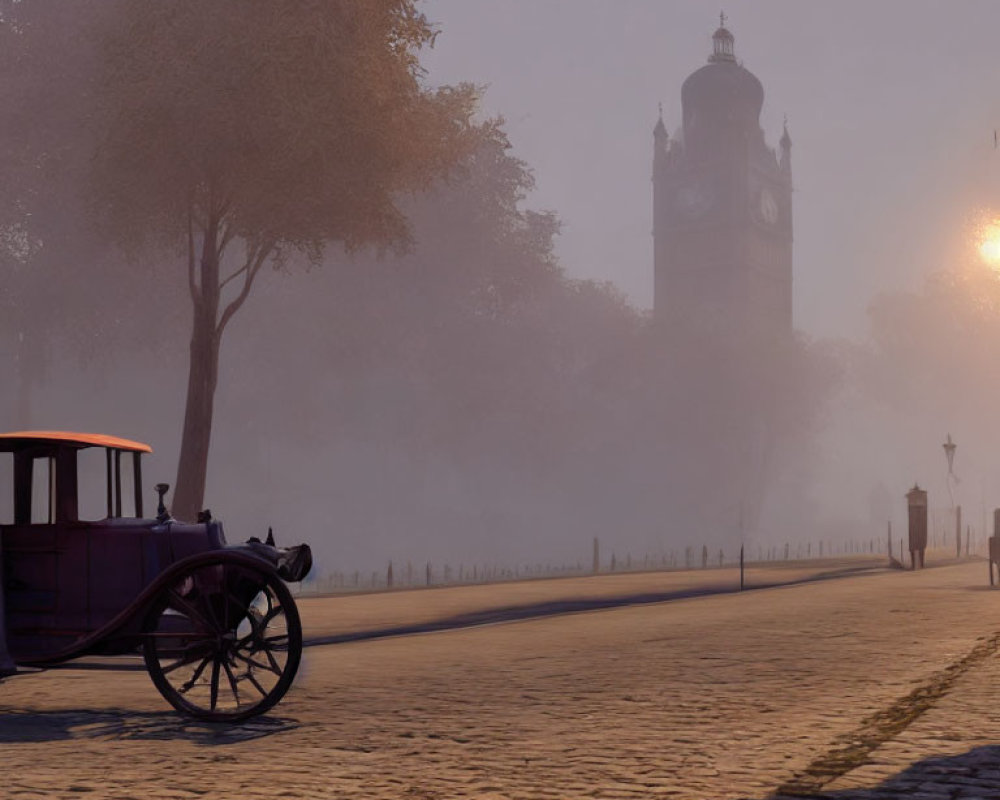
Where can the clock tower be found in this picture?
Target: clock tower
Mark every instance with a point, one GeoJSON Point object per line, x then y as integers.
{"type": "Point", "coordinates": [722, 210]}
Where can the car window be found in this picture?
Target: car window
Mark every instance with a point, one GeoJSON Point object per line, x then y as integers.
{"type": "Point", "coordinates": [92, 483]}
{"type": "Point", "coordinates": [43, 490]}
{"type": "Point", "coordinates": [127, 470]}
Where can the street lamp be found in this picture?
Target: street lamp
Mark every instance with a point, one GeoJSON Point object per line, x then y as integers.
{"type": "Point", "coordinates": [949, 452]}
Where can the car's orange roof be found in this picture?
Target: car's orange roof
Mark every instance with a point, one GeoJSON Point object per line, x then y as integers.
{"type": "Point", "coordinates": [85, 439]}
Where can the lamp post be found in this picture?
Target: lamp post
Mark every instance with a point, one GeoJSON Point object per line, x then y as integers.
{"type": "Point", "coordinates": [949, 452]}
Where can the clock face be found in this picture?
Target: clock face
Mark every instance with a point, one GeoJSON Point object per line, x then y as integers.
{"type": "Point", "coordinates": [768, 207]}
{"type": "Point", "coordinates": [694, 199]}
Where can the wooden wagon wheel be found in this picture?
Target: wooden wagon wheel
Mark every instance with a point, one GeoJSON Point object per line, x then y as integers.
{"type": "Point", "coordinates": [222, 641]}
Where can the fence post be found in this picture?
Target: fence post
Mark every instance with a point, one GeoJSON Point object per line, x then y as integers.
{"type": "Point", "coordinates": [597, 556]}
{"type": "Point", "coordinates": [958, 531]}
{"type": "Point", "coordinates": [388, 576]}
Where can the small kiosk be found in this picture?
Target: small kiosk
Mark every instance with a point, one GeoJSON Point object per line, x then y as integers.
{"type": "Point", "coordinates": [916, 501]}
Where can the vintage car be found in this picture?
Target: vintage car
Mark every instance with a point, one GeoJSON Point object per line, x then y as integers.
{"type": "Point", "coordinates": [84, 573]}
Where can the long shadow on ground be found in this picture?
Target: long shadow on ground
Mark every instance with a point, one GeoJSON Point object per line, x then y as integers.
{"type": "Point", "coordinates": [974, 774]}
{"type": "Point", "coordinates": [569, 606]}
{"type": "Point", "coordinates": [24, 725]}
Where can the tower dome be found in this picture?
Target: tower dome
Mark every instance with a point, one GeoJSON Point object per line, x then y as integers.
{"type": "Point", "coordinates": [722, 95]}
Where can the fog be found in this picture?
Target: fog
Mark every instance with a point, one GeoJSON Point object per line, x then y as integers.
{"type": "Point", "coordinates": [500, 393]}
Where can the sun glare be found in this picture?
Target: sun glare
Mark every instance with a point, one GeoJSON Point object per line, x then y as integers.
{"type": "Point", "coordinates": [989, 244]}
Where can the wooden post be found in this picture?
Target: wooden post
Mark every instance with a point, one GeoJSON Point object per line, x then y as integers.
{"type": "Point", "coordinates": [388, 576]}
{"type": "Point", "coordinates": [741, 568]}
{"type": "Point", "coordinates": [958, 531]}
{"type": "Point", "coordinates": [597, 556]}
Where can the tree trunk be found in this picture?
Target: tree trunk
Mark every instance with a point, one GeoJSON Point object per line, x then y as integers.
{"type": "Point", "coordinates": [192, 467]}
{"type": "Point", "coordinates": [203, 372]}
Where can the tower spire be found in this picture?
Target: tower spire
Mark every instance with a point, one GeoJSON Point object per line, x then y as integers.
{"type": "Point", "coordinates": [660, 130]}
{"type": "Point", "coordinates": [786, 140]}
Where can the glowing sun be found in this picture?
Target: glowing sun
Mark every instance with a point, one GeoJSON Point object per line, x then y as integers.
{"type": "Point", "coordinates": [989, 244]}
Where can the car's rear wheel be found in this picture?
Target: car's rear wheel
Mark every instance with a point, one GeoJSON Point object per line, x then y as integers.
{"type": "Point", "coordinates": [222, 641]}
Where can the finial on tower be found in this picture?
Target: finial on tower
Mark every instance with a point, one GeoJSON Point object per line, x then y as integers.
{"type": "Point", "coordinates": [722, 19]}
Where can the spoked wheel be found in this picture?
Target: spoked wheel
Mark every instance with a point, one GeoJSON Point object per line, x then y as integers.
{"type": "Point", "coordinates": [223, 640]}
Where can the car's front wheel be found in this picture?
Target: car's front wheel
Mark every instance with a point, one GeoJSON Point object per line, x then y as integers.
{"type": "Point", "coordinates": [222, 640]}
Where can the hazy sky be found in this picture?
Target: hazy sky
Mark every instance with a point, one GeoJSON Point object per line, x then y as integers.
{"type": "Point", "coordinates": [891, 108]}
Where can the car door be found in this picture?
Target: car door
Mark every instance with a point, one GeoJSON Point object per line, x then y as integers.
{"type": "Point", "coordinates": [45, 578]}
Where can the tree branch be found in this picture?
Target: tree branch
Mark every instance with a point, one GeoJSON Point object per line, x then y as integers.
{"type": "Point", "coordinates": [227, 236]}
{"type": "Point", "coordinates": [192, 285]}
{"type": "Point", "coordinates": [238, 272]}
{"type": "Point", "coordinates": [253, 264]}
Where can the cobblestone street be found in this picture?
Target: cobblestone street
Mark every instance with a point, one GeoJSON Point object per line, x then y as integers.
{"type": "Point", "coordinates": [880, 685]}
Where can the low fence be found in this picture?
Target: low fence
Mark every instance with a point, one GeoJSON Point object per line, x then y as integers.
{"type": "Point", "coordinates": [410, 575]}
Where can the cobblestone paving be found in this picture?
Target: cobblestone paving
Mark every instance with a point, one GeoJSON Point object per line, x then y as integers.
{"type": "Point", "coordinates": [720, 697]}
{"type": "Point", "coordinates": [950, 751]}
